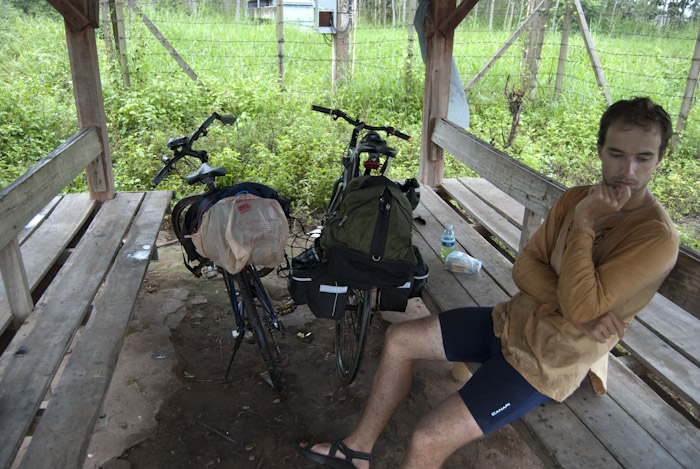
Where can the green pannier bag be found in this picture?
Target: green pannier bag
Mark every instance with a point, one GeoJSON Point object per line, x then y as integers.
{"type": "Point", "coordinates": [367, 243]}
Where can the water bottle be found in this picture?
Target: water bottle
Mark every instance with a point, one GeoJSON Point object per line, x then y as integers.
{"type": "Point", "coordinates": [447, 244]}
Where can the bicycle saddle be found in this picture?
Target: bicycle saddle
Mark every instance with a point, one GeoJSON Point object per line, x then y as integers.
{"type": "Point", "coordinates": [205, 171]}
{"type": "Point", "coordinates": [374, 143]}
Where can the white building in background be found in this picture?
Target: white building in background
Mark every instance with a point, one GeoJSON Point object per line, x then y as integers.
{"type": "Point", "coordinates": [295, 11]}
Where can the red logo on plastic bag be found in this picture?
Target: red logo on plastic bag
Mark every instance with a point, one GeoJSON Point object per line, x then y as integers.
{"type": "Point", "coordinates": [243, 208]}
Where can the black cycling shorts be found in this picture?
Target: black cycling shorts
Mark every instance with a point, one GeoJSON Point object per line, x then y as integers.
{"type": "Point", "coordinates": [496, 394]}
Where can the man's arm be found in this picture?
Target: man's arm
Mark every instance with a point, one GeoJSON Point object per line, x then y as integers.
{"type": "Point", "coordinates": [532, 271]}
{"type": "Point", "coordinates": [586, 292]}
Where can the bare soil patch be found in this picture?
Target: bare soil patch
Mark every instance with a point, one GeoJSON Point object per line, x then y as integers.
{"type": "Point", "coordinates": [168, 405]}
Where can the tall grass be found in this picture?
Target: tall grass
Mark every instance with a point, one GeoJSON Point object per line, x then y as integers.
{"type": "Point", "coordinates": [277, 139]}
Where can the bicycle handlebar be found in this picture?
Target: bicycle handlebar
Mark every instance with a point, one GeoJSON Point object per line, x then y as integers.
{"type": "Point", "coordinates": [186, 146]}
{"type": "Point", "coordinates": [337, 113]}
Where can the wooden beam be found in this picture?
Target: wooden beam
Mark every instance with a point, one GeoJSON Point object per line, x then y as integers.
{"type": "Point", "coordinates": [438, 68]}
{"type": "Point", "coordinates": [451, 22]}
{"type": "Point", "coordinates": [89, 102]}
{"type": "Point", "coordinates": [74, 14]}
{"type": "Point", "coordinates": [21, 200]}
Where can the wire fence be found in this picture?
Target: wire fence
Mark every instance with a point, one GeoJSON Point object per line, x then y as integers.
{"type": "Point", "coordinates": [639, 52]}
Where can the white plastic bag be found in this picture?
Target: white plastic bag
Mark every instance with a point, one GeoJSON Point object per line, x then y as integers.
{"type": "Point", "coordinates": [241, 230]}
{"type": "Point", "coordinates": [462, 263]}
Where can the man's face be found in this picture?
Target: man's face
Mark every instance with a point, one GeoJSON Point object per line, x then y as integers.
{"type": "Point", "coordinates": [630, 155]}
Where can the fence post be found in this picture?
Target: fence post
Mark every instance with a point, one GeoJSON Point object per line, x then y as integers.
{"type": "Point", "coordinates": [411, 33]}
{"type": "Point", "coordinates": [561, 66]}
{"type": "Point", "coordinates": [592, 54]}
{"type": "Point", "coordinates": [279, 17]}
{"type": "Point", "coordinates": [121, 42]}
{"type": "Point", "coordinates": [690, 85]}
{"type": "Point", "coordinates": [341, 43]}
{"type": "Point", "coordinates": [534, 48]}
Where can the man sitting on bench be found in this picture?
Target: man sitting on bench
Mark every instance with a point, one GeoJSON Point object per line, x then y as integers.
{"type": "Point", "coordinates": [595, 262]}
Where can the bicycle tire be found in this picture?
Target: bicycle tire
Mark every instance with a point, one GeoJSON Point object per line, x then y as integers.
{"type": "Point", "coordinates": [259, 331]}
{"type": "Point", "coordinates": [351, 333]}
{"type": "Point", "coordinates": [177, 219]}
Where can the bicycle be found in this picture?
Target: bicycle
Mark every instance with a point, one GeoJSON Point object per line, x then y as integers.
{"type": "Point", "coordinates": [250, 286]}
{"type": "Point", "coordinates": [352, 327]}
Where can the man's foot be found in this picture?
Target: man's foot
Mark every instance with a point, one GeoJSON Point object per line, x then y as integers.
{"type": "Point", "coordinates": [327, 455]}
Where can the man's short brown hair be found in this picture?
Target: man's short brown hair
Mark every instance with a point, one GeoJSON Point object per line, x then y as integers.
{"type": "Point", "coordinates": [641, 112]}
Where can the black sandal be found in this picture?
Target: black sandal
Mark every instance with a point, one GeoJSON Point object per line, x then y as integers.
{"type": "Point", "coordinates": [331, 460]}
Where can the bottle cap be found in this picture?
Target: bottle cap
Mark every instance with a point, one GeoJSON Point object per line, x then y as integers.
{"type": "Point", "coordinates": [448, 226]}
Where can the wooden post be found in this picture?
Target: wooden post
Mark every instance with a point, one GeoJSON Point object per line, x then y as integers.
{"type": "Point", "coordinates": [87, 88]}
{"type": "Point", "coordinates": [592, 54]}
{"type": "Point", "coordinates": [531, 222]}
{"type": "Point", "coordinates": [151, 27]}
{"type": "Point", "coordinates": [121, 42]}
{"type": "Point", "coordinates": [14, 278]}
{"type": "Point", "coordinates": [411, 34]}
{"type": "Point", "coordinates": [561, 66]}
{"type": "Point", "coordinates": [279, 18]}
{"type": "Point", "coordinates": [437, 89]}
{"type": "Point", "coordinates": [341, 43]}
{"type": "Point", "coordinates": [535, 41]}
{"type": "Point", "coordinates": [502, 50]}
{"type": "Point", "coordinates": [690, 86]}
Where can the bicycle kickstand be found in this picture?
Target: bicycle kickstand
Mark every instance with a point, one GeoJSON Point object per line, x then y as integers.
{"type": "Point", "coordinates": [236, 345]}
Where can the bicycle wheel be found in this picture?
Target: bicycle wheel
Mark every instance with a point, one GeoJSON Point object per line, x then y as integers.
{"type": "Point", "coordinates": [351, 333]}
{"type": "Point", "coordinates": [262, 335]}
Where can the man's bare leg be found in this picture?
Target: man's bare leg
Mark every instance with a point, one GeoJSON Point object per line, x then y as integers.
{"type": "Point", "coordinates": [440, 433]}
{"type": "Point", "coordinates": [404, 343]}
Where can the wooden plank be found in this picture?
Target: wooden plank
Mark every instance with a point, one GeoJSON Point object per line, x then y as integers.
{"type": "Point", "coordinates": [47, 243]}
{"type": "Point", "coordinates": [480, 287]}
{"type": "Point", "coordinates": [449, 24]}
{"type": "Point", "coordinates": [532, 189]}
{"type": "Point", "coordinates": [677, 371]}
{"type": "Point", "coordinates": [496, 198]}
{"type": "Point", "coordinates": [21, 199]}
{"type": "Point", "coordinates": [628, 442]}
{"type": "Point", "coordinates": [494, 263]}
{"type": "Point", "coordinates": [31, 359]}
{"type": "Point", "coordinates": [62, 437]}
{"type": "Point", "coordinates": [674, 432]}
{"type": "Point", "coordinates": [38, 219]}
{"type": "Point", "coordinates": [493, 221]}
{"type": "Point", "coordinates": [675, 326]}
{"type": "Point", "coordinates": [560, 439]}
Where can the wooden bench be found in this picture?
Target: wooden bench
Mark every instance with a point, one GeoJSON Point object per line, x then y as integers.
{"type": "Point", "coordinates": [82, 265]}
{"type": "Point", "coordinates": [638, 423]}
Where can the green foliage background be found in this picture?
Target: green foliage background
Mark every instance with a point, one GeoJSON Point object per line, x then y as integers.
{"type": "Point", "coordinates": [277, 140]}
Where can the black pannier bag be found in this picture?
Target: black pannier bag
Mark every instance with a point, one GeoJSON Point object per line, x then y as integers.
{"type": "Point", "coordinates": [368, 241]}
{"type": "Point", "coordinates": [396, 299]}
{"type": "Point", "coordinates": [309, 283]}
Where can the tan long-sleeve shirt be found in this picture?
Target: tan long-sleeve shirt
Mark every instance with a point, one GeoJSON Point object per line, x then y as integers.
{"type": "Point", "coordinates": [568, 276]}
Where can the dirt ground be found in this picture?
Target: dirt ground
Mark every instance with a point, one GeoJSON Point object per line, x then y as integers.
{"type": "Point", "coordinates": [169, 407]}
